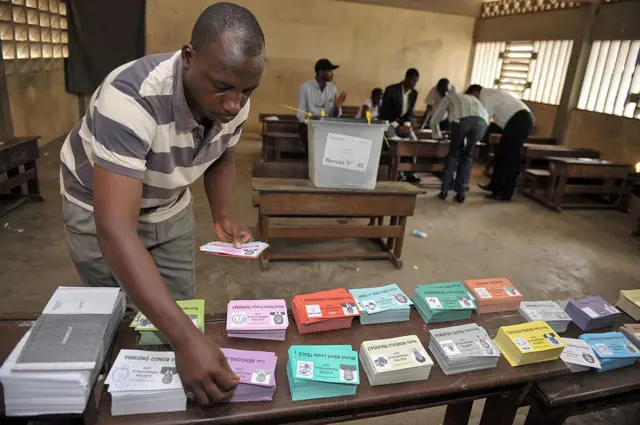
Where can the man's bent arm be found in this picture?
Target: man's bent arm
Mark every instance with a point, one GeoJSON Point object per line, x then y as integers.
{"type": "Point", "coordinates": [219, 183]}
{"type": "Point", "coordinates": [117, 202]}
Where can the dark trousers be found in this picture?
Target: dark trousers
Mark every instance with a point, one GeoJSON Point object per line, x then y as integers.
{"type": "Point", "coordinates": [459, 160]}
{"type": "Point", "coordinates": [508, 159]}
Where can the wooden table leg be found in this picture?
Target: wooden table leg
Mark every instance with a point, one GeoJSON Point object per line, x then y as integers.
{"type": "Point", "coordinates": [13, 173]}
{"type": "Point", "coordinates": [397, 249]}
{"type": "Point", "coordinates": [501, 409]}
{"type": "Point", "coordinates": [458, 413]}
{"type": "Point", "coordinates": [33, 186]}
{"type": "Point", "coordinates": [394, 172]}
{"type": "Point", "coordinates": [264, 235]}
{"type": "Point", "coordinates": [557, 195]}
{"type": "Point", "coordinates": [393, 221]}
{"type": "Point", "coordinates": [542, 415]}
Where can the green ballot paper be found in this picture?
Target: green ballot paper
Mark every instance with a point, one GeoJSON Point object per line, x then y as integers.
{"type": "Point", "coordinates": [150, 335]}
{"type": "Point", "coordinates": [322, 371]}
{"type": "Point", "coordinates": [444, 302]}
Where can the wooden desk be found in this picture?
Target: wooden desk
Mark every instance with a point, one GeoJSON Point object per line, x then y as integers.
{"type": "Point", "coordinates": [274, 144]}
{"type": "Point", "coordinates": [536, 155]}
{"type": "Point", "coordinates": [15, 153]}
{"type": "Point", "coordinates": [433, 152]}
{"type": "Point", "coordinates": [291, 198]}
{"type": "Point", "coordinates": [369, 401]}
{"type": "Point", "coordinates": [494, 140]}
{"type": "Point", "coordinates": [612, 179]}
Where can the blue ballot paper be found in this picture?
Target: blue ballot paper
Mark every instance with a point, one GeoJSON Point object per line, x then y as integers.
{"type": "Point", "coordinates": [384, 304]}
{"type": "Point", "coordinates": [322, 371]}
{"type": "Point", "coordinates": [613, 349]}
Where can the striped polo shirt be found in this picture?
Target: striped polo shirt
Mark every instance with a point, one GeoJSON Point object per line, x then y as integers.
{"type": "Point", "coordinates": [457, 106]}
{"type": "Point", "coordinates": [138, 124]}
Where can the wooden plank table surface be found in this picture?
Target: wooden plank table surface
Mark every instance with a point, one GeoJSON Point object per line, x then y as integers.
{"type": "Point", "coordinates": [369, 401]}
{"type": "Point", "coordinates": [537, 155]}
{"type": "Point", "coordinates": [431, 151]}
{"type": "Point", "coordinates": [298, 198]}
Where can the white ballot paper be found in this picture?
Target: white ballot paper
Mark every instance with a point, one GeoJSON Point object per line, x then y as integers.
{"type": "Point", "coordinates": [136, 370]}
{"type": "Point", "coordinates": [579, 356]}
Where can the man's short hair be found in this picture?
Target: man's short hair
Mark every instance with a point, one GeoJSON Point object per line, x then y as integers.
{"type": "Point", "coordinates": [219, 18]}
{"type": "Point", "coordinates": [412, 73]}
{"type": "Point", "coordinates": [474, 88]}
{"type": "Point", "coordinates": [376, 91]}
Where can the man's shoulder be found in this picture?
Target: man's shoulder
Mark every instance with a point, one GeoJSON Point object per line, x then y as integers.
{"type": "Point", "coordinates": [151, 75]}
{"type": "Point", "coordinates": [393, 87]}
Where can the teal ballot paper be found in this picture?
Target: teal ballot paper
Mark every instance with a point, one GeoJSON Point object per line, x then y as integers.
{"type": "Point", "coordinates": [382, 298]}
{"type": "Point", "coordinates": [322, 371]}
{"type": "Point", "coordinates": [443, 302]}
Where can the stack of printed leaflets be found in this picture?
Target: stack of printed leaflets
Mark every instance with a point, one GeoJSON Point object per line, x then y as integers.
{"type": "Point", "coordinates": [444, 302]}
{"type": "Point", "coordinates": [548, 311]}
{"type": "Point", "coordinates": [257, 319]}
{"type": "Point", "coordinates": [322, 371]}
{"type": "Point", "coordinates": [256, 370]}
{"type": "Point", "coordinates": [383, 304]}
{"type": "Point", "coordinates": [224, 249]}
{"type": "Point", "coordinates": [613, 349]}
{"type": "Point", "coordinates": [579, 356]}
{"type": "Point", "coordinates": [150, 335]}
{"type": "Point", "coordinates": [592, 313]}
{"type": "Point", "coordinates": [465, 348]}
{"type": "Point", "coordinates": [145, 382]}
{"type": "Point", "coordinates": [527, 343]}
{"type": "Point", "coordinates": [395, 360]}
{"type": "Point", "coordinates": [494, 295]}
{"type": "Point", "coordinates": [324, 311]}
{"type": "Point", "coordinates": [629, 302]}
{"type": "Point", "coordinates": [632, 332]}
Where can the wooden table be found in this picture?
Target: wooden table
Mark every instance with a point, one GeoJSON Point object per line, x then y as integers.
{"type": "Point", "coordinates": [18, 157]}
{"type": "Point", "coordinates": [274, 144]}
{"type": "Point", "coordinates": [494, 140]}
{"type": "Point", "coordinates": [297, 198]}
{"type": "Point", "coordinates": [433, 154]}
{"type": "Point", "coordinates": [536, 155]}
{"type": "Point", "coordinates": [571, 176]}
{"type": "Point", "coordinates": [369, 401]}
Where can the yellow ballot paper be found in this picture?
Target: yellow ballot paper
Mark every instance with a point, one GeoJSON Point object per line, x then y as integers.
{"type": "Point", "coordinates": [629, 302]}
{"type": "Point", "coordinates": [527, 343]}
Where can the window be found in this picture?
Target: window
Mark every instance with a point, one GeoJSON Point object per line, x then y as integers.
{"type": "Point", "coordinates": [34, 35]}
{"type": "Point", "coordinates": [611, 82]}
{"type": "Point", "coordinates": [531, 70]}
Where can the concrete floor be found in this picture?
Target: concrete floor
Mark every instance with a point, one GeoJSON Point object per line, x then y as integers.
{"type": "Point", "coordinates": [547, 256]}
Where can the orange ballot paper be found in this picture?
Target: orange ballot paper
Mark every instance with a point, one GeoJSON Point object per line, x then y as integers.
{"type": "Point", "coordinates": [494, 295]}
{"type": "Point", "coordinates": [322, 311]}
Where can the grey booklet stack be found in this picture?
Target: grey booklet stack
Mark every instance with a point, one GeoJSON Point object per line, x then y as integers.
{"type": "Point", "coordinates": [395, 360]}
{"type": "Point", "coordinates": [464, 348]}
{"type": "Point", "coordinates": [53, 368]}
{"type": "Point", "coordinates": [548, 311]}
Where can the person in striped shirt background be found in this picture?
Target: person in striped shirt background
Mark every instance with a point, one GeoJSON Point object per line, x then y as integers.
{"type": "Point", "coordinates": [468, 121]}
{"type": "Point", "coordinates": [152, 128]}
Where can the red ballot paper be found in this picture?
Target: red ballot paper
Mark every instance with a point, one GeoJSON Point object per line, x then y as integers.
{"type": "Point", "coordinates": [248, 250]}
{"type": "Point", "coordinates": [323, 311]}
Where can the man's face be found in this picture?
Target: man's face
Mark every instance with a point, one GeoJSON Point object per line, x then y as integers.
{"type": "Point", "coordinates": [412, 82]}
{"type": "Point", "coordinates": [219, 79]}
{"type": "Point", "coordinates": [376, 98]}
{"type": "Point", "coordinates": [327, 75]}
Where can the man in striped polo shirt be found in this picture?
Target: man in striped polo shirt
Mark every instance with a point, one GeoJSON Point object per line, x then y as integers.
{"type": "Point", "coordinates": [468, 122]}
{"type": "Point", "coordinates": [152, 128]}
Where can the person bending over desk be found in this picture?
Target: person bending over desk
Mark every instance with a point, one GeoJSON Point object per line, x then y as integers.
{"type": "Point", "coordinates": [468, 120]}
{"type": "Point", "coordinates": [517, 122]}
{"type": "Point", "coordinates": [398, 103]}
{"type": "Point", "coordinates": [434, 97]}
{"type": "Point", "coordinates": [371, 105]}
{"type": "Point", "coordinates": [153, 127]}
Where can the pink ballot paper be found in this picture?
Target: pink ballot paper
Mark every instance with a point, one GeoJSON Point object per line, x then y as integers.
{"type": "Point", "coordinates": [256, 370]}
{"type": "Point", "coordinates": [248, 250]}
{"type": "Point", "coordinates": [257, 319]}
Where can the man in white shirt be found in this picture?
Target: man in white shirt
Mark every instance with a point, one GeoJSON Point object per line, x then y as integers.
{"type": "Point", "coordinates": [515, 118]}
{"type": "Point", "coordinates": [371, 105]}
{"type": "Point", "coordinates": [434, 97]}
{"type": "Point", "coordinates": [320, 94]}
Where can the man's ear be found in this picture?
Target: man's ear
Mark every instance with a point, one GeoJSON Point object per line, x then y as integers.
{"type": "Point", "coordinates": [187, 56]}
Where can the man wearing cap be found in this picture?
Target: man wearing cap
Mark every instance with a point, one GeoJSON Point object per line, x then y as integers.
{"type": "Point", "coordinates": [320, 94]}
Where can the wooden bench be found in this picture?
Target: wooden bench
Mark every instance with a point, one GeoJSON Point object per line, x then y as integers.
{"type": "Point", "coordinates": [492, 141]}
{"type": "Point", "coordinates": [18, 157]}
{"type": "Point", "coordinates": [576, 176]}
{"type": "Point", "coordinates": [277, 144]}
{"type": "Point", "coordinates": [431, 153]}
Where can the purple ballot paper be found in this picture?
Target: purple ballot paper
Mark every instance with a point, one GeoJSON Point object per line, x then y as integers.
{"type": "Point", "coordinates": [592, 313]}
{"type": "Point", "coordinates": [257, 319]}
{"type": "Point", "coordinates": [256, 370]}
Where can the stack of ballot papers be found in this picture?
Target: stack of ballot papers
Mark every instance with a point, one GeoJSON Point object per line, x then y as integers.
{"type": "Point", "coordinates": [395, 360]}
{"type": "Point", "coordinates": [613, 349]}
{"type": "Point", "coordinates": [494, 295]}
{"type": "Point", "coordinates": [527, 343]}
{"type": "Point", "coordinates": [256, 370]}
{"type": "Point", "coordinates": [632, 332]}
{"type": "Point", "coordinates": [54, 367]}
{"type": "Point", "coordinates": [324, 311]}
{"type": "Point", "coordinates": [322, 371]}
{"type": "Point", "coordinates": [444, 302]}
{"type": "Point", "coordinates": [465, 348]}
{"type": "Point", "coordinates": [629, 302]}
{"type": "Point", "coordinates": [383, 304]}
{"type": "Point", "coordinates": [579, 356]}
{"type": "Point", "coordinates": [547, 311]}
{"type": "Point", "coordinates": [592, 313]}
{"type": "Point", "coordinates": [257, 319]}
{"type": "Point", "coordinates": [145, 382]}
{"type": "Point", "coordinates": [248, 250]}
{"type": "Point", "coordinates": [150, 335]}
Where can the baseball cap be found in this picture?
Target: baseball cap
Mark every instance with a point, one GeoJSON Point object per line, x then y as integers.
{"type": "Point", "coordinates": [325, 65]}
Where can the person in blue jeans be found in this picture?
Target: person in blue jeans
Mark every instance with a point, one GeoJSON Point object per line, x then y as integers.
{"type": "Point", "coordinates": [468, 121]}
